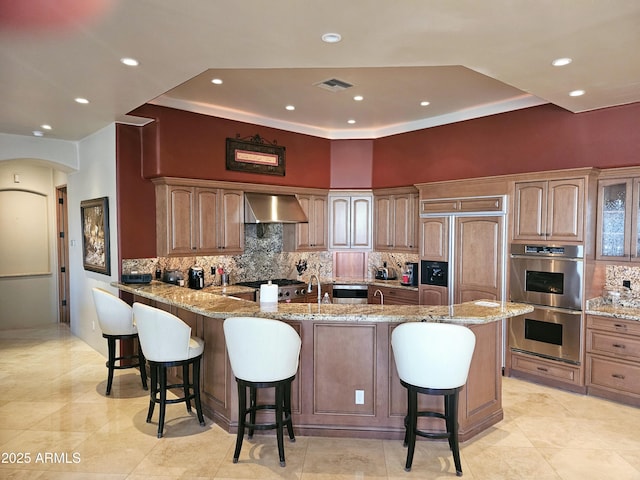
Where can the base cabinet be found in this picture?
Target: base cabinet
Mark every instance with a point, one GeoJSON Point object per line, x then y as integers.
{"type": "Point", "coordinates": [613, 359]}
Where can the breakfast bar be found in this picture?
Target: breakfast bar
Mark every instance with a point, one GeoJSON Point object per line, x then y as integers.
{"type": "Point", "coordinates": [345, 348]}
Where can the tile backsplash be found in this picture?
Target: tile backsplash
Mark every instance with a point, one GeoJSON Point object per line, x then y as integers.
{"type": "Point", "coordinates": [263, 259]}
{"type": "Point", "coordinates": [616, 274]}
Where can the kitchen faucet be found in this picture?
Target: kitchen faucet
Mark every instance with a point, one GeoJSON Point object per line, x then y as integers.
{"type": "Point", "coordinates": [319, 289]}
{"type": "Point", "coordinates": [375, 294]}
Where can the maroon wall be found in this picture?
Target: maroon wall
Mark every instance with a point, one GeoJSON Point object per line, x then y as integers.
{"type": "Point", "coordinates": [351, 163]}
{"type": "Point", "coordinates": [534, 139]}
{"type": "Point", "coordinates": [193, 145]}
{"type": "Point", "coordinates": [136, 197]}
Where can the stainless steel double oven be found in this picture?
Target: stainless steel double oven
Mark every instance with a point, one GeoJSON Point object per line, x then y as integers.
{"type": "Point", "coordinates": [550, 278]}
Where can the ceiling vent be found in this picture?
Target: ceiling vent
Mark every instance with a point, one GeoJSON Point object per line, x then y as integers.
{"type": "Point", "coordinates": [334, 85]}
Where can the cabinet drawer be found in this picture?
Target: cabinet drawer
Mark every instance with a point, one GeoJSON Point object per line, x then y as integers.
{"type": "Point", "coordinates": [614, 325]}
{"type": "Point", "coordinates": [607, 344]}
{"type": "Point", "coordinates": [394, 296]}
{"type": "Point", "coordinates": [545, 368]}
{"type": "Point", "coordinates": [613, 374]}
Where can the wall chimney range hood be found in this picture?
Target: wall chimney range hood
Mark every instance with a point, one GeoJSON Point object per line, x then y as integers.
{"type": "Point", "coordinates": [266, 208]}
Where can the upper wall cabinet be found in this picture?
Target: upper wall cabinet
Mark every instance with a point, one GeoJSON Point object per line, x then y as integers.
{"type": "Point", "coordinates": [350, 220]}
{"type": "Point", "coordinates": [550, 210]}
{"type": "Point", "coordinates": [396, 220]}
{"type": "Point", "coordinates": [192, 220]}
{"type": "Point", "coordinates": [617, 219]}
{"type": "Point", "coordinates": [312, 236]}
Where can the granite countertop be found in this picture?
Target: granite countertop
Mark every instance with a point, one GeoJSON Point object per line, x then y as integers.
{"type": "Point", "coordinates": [626, 309]}
{"type": "Point", "coordinates": [223, 306]}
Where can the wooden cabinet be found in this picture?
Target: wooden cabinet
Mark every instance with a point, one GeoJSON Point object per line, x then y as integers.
{"type": "Point", "coordinates": [479, 260]}
{"type": "Point", "coordinates": [617, 219]}
{"type": "Point", "coordinates": [192, 220]}
{"type": "Point", "coordinates": [613, 359]}
{"type": "Point", "coordinates": [312, 236]}
{"type": "Point", "coordinates": [393, 295]}
{"type": "Point", "coordinates": [434, 295]}
{"type": "Point", "coordinates": [548, 372]}
{"type": "Point", "coordinates": [350, 220]}
{"type": "Point", "coordinates": [434, 239]}
{"type": "Point", "coordinates": [396, 220]}
{"type": "Point", "coordinates": [550, 210]}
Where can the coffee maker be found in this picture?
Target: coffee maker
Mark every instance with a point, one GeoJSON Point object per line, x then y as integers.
{"type": "Point", "coordinates": [196, 277]}
{"type": "Point", "coordinates": [410, 275]}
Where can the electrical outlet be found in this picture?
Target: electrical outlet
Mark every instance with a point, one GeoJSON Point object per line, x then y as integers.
{"type": "Point", "coordinates": [359, 397]}
{"type": "Point", "coordinates": [626, 283]}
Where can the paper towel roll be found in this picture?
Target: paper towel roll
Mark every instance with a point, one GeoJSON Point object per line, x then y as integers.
{"type": "Point", "coordinates": [268, 293]}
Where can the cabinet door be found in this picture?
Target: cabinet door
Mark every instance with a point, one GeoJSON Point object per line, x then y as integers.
{"type": "Point", "coordinates": [181, 218]}
{"type": "Point", "coordinates": [383, 223]}
{"type": "Point", "coordinates": [303, 230]}
{"type": "Point", "coordinates": [530, 211]}
{"type": "Point", "coordinates": [361, 219]}
{"type": "Point", "coordinates": [635, 221]}
{"type": "Point", "coordinates": [435, 239]}
{"type": "Point", "coordinates": [402, 222]}
{"type": "Point", "coordinates": [479, 258]}
{"type": "Point", "coordinates": [565, 210]}
{"type": "Point", "coordinates": [206, 221]}
{"type": "Point", "coordinates": [318, 223]}
{"type": "Point", "coordinates": [232, 221]}
{"type": "Point", "coordinates": [434, 295]}
{"type": "Point", "coordinates": [340, 218]}
{"type": "Point", "coordinates": [614, 219]}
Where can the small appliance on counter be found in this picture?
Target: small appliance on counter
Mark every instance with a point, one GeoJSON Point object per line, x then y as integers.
{"type": "Point", "coordinates": [196, 277]}
{"type": "Point", "coordinates": [385, 273]}
{"type": "Point", "coordinates": [173, 276]}
{"type": "Point", "coordinates": [410, 275]}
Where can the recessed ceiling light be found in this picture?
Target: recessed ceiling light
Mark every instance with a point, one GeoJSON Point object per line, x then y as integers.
{"type": "Point", "coordinates": [577, 93]}
{"type": "Point", "coordinates": [424, 103]}
{"type": "Point", "coordinates": [130, 62]}
{"type": "Point", "coordinates": [561, 62]}
{"type": "Point", "coordinates": [290, 107]}
{"type": "Point", "coordinates": [351, 121]}
{"type": "Point", "coordinates": [217, 81]}
{"type": "Point", "coordinates": [82, 100]}
{"type": "Point", "coordinates": [45, 127]}
{"type": "Point", "coordinates": [331, 37]}
{"type": "Point", "coordinates": [37, 133]}
{"type": "Point", "coordinates": [358, 98]}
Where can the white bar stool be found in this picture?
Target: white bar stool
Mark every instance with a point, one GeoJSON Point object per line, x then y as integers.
{"type": "Point", "coordinates": [167, 342]}
{"type": "Point", "coordinates": [263, 353]}
{"type": "Point", "coordinates": [432, 359]}
{"type": "Point", "coordinates": [115, 318]}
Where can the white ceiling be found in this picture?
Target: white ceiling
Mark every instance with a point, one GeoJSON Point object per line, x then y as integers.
{"type": "Point", "coordinates": [468, 58]}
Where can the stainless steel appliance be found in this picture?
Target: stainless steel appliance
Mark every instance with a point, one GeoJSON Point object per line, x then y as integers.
{"type": "Point", "coordinates": [288, 290]}
{"type": "Point", "coordinates": [551, 278]}
{"type": "Point", "coordinates": [196, 277]}
{"type": "Point", "coordinates": [410, 274]}
{"type": "Point", "coordinates": [350, 293]}
{"type": "Point", "coordinates": [385, 273]}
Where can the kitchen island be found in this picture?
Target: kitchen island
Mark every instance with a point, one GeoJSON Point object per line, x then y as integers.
{"type": "Point", "coordinates": [344, 348]}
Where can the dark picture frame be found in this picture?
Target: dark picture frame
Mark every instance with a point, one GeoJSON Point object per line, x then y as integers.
{"type": "Point", "coordinates": [255, 155]}
{"type": "Point", "coordinates": [96, 250]}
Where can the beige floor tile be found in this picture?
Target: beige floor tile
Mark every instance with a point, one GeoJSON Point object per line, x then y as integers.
{"type": "Point", "coordinates": [431, 460]}
{"type": "Point", "coordinates": [508, 463]}
{"type": "Point", "coordinates": [584, 464]}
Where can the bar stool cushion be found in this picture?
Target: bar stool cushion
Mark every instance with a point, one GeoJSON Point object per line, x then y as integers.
{"type": "Point", "coordinates": [432, 359]}
{"type": "Point", "coordinates": [115, 318]}
{"type": "Point", "coordinates": [263, 353]}
{"type": "Point", "coordinates": [169, 343]}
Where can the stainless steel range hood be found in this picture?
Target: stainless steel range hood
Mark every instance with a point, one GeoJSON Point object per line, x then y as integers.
{"type": "Point", "coordinates": [266, 208]}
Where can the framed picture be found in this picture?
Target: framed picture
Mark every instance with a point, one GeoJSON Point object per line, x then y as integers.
{"type": "Point", "coordinates": [255, 155]}
{"type": "Point", "coordinates": [96, 252]}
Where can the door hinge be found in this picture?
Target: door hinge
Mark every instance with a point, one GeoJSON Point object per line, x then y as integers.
{"type": "Point", "coordinates": [61, 201]}
{"type": "Point", "coordinates": [63, 269]}
{"type": "Point", "coordinates": [64, 303]}
{"type": "Point", "coordinates": [61, 234]}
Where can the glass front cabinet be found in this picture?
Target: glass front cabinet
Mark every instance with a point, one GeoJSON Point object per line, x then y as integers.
{"type": "Point", "coordinates": [618, 209]}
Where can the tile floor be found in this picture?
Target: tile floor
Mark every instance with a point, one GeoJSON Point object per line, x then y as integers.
{"type": "Point", "coordinates": [53, 408]}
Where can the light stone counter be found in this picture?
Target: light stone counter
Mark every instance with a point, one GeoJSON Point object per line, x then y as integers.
{"type": "Point", "coordinates": [223, 306]}
{"type": "Point", "coordinates": [626, 310]}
